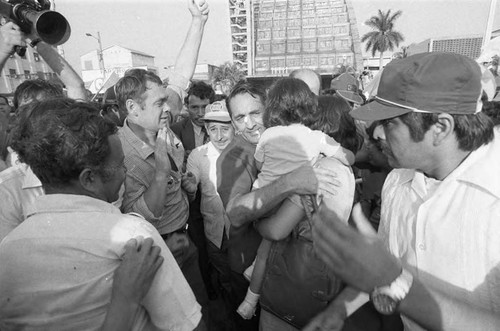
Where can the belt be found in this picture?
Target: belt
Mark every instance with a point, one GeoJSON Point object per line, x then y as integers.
{"type": "Point", "coordinates": [181, 230]}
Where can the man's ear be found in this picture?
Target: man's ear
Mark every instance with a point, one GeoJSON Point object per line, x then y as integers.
{"type": "Point", "coordinates": [88, 180]}
{"type": "Point", "coordinates": [132, 107]}
{"type": "Point", "coordinates": [443, 128]}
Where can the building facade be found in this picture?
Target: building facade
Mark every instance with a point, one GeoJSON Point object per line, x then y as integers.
{"type": "Point", "coordinates": [275, 37]}
{"type": "Point", "coordinates": [117, 59]}
{"type": "Point", "coordinates": [17, 69]}
{"type": "Point", "coordinates": [469, 46]}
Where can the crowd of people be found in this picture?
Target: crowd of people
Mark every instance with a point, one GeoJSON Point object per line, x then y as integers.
{"type": "Point", "coordinates": [291, 207]}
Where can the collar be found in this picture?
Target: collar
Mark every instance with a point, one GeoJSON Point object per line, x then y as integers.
{"type": "Point", "coordinates": [479, 169]}
{"type": "Point", "coordinates": [30, 179]}
{"type": "Point", "coordinates": [481, 166]}
{"type": "Point", "coordinates": [211, 150]}
{"type": "Point", "coordinates": [63, 203]}
{"type": "Point", "coordinates": [143, 149]}
{"type": "Point", "coordinates": [196, 128]}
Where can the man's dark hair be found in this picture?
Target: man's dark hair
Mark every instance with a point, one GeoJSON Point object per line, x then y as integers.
{"type": "Point", "coordinates": [246, 87]}
{"type": "Point", "coordinates": [290, 101]}
{"type": "Point", "coordinates": [201, 90]}
{"type": "Point", "coordinates": [36, 89]}
{"type": "Point", "coordinates": [472, 130]}
{"type": "Point", "coordinates": [59, 138]}
{"type": "Point", "coordinates": [133, 86]}
{"type": "Point", "coordinates": [333, 119]}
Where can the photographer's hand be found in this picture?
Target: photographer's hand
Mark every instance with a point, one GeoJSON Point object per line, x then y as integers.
{"type": "Point", "coordinates": [10, 36]}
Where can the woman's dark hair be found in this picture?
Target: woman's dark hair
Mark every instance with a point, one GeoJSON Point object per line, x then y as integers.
{"type": "Point", "coordinates": [333, 119]}
{"type": "Point", "coordinates": [59, 138]}
{"type": "Point", "coordinates": [290, 101]}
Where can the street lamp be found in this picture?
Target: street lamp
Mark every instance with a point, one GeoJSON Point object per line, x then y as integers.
{"type": "Point", "coordinates": [101, 58]}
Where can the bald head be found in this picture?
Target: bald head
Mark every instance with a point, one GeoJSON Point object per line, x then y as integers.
{"type": "Point", "coordinates": [310, 77]}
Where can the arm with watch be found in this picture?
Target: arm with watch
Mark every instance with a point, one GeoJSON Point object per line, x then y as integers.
{"type": "Point", "coordinates": [360, 258]}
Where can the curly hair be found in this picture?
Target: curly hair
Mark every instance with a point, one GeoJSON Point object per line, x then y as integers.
{"type": "Point", "coordinates": [59, 138]}
{"type": "Point", "coordinates": [245, 87]}
{"type": "Point", "coordinates": [201, 90]}
{"type": "Point", "coordinates": [333, 119]}
{"type": "Point", "coordinates": [133, 85]}
{"type": "Point", "coordinates": [36, 89]}
{"type": "Point", "coordinates": [290, 101]}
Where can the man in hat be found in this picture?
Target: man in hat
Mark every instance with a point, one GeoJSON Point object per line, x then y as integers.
{"type": "Point", "coordinates": [436, 259]}
{"type": "Point", "coordinates": [202, 164]}
{"type": "Point", "coordinates": [347, 86]}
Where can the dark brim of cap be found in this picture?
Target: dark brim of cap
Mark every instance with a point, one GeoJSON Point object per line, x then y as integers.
{"type": "Point", "coordinates": [351, 96]}
{"type": "Point", "coordinates": [378, 110]}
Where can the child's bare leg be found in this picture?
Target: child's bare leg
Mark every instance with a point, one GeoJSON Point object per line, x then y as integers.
{"type": "Point", "coordinates": [248, 306]}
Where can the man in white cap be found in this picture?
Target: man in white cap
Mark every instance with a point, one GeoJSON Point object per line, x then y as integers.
{"type": "Point", "coordinates": [436, 259]}
{"type": "Point", "coordinates": [202, 164]}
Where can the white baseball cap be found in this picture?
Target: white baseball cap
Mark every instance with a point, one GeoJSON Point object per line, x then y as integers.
{"type": "Point", "coordinates": [217, 112]}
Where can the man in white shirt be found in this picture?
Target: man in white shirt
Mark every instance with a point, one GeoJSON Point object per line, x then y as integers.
{"type": "Point", "coordinates": [437, 257]}
{"type": "Point", "coordinates": [202, 163]}
{"type": "Point", "coordinates": [58, 265]}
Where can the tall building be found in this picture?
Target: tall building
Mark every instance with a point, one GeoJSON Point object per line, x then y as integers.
{"type": "Point", "coordinates": [275, 37]}
{"type": "Point", "coordinates": [469, 46]}
{"type": "Point", "coordinates": [17, 69]}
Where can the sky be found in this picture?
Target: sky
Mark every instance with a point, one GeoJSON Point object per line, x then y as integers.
{"type": "Point", "coordinates": [158, 27]}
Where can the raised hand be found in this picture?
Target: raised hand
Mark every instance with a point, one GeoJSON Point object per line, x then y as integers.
{"type": "Point", "coordinates": [199, 8]}
{"type": "Point", "coordinates": [10, 36]}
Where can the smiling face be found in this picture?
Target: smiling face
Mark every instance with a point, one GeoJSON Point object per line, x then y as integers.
{"type": "Point", "coordinates": [153, 113]}
{"type": "Point", "coordinates": [220, 134]}
{"type": "Point", "coordinates": [247, 116]}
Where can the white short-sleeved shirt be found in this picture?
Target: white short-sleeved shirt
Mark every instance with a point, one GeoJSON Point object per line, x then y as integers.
{"type": "Point", "coordinates": [57, 270]}
{"type": "Point", "coordinates": [19, 187]}
{"type": "Point", "coordinates": [283, 149]}
{"type": "Point", "coordinates": [202, 162]}
{"type": "Point", "coordinates": [449, 230]}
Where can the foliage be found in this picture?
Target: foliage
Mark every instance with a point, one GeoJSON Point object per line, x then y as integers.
{"type": "Point", "coordinates": [227, 75]}
{"type": "Point", "coordinates": [383, 37]}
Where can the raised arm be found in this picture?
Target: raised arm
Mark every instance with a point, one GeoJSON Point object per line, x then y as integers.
{"type": "Point", "coordinates": [187, 58]}
{"type": "Point", "coordinates": [10, 36]}
{"type": "Point", "coordinates": [73, 82]}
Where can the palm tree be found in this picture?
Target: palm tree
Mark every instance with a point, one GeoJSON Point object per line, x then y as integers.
{"type": "Point", "coordinates": [226, 76]}
{"type": "Point", "coordinates": [383, 37]}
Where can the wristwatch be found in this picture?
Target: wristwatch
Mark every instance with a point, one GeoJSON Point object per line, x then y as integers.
{"type": "Point", "coordinates": [386, 299]}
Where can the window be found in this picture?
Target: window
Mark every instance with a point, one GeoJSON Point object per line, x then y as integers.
{"type": "Point", "coordinates": [12, 73]}
{"type": "Point", "coordinates": [87, 64]}
{"type": "Point", "coordinates": [262, 64]}
{"type": "Point", "coordinates": [294, 47]}
{"type": "Point", "coordinates": [27, 74]}
{"type": "Point", "coordinates": [279, 48]}
{"type": "Point", "coordinates": [281, 33]}
{"type": "Point", "coordinates": [293, 62]}
{"type": "Point", "coordinates": [36, 57]}
{"type": "Point", "coordinates": [309, 32]}
{"type": "Point", "coordinates": [294, 33]}
{"type": "Point", "coordinates": [309, 46]}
